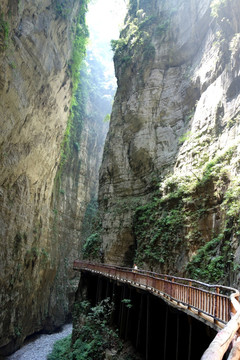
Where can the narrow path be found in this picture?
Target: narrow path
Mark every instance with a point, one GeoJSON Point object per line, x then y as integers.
{"type": "Point", "coordinates": [39, 348]}
{"type": "Point", "coordinates": [208, 303]}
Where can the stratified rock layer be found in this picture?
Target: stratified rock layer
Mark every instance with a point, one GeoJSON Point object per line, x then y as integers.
{"type": "Point", "coordinates": [177, 106]}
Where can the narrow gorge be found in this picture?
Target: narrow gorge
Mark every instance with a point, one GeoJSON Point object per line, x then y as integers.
{"type": "Point", "coordinates": [162, 191]}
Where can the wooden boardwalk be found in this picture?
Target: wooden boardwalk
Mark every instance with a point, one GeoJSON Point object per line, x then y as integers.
{"type": "Point", "coordinates": [213, 304]}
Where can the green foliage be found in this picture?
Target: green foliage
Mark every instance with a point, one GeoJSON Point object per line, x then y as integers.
{"type": "Point", "coordinates": [18, 239]}
{"type": "Point", "coordinates": [4, 32]}
{"type": "Point", "coordinates": [233, 122]}
{"type": "Point", "coordinates": [118, 46]}
{"type": "Point", "coordinates": [135, 38]}
{"type": "Point", "coordinates": [35, 252]}
{"type": "Point", "coordinates": [91, 232]}
{"type": "Point", "coordinates": [146, 22]}
{"type": "Point", "coordinates": [74, 124]}
{"type": "Point", "coordinates": [231, 202]}
{"type": "Point", "coordinates": [107, 118]}
{"type": "Point", "coordinates": [44, 256]}
{"type": "Point", "coordinates": [212, 261]}
{"type": "Point", "coordinates": [62, 8]}
{"type": "Point", "coordinates": [17, 331]}
{"type": "Point", "coordinates": [126, 59]}
{"type": "Point", "coordinates": [133, 7]}
{"type": "Point", "coordinates": [128, 303]}
{"type": "Point", "coordinates": [91, 221]}
{"type": "Point", "coordinates": [79, 50]}
{"type": "Point", "coordinates": [215, 168]}
{"type": "Point", "coordinates": [234, 46]}
{"type": "Point", "coordinates": [12, 65]}
{"type": "Point", "coordinates": [91, 248]}
{"type": "Point", "coordinates": [61, 350]}
{"type": "Point", "coordinates": [148, 52]}
{"type": "Point", "coordinates": [65, 148]}
{"type": "Point", "coordinates": [217, 6]}
{"type": "Point", "coordinates": [93, 337]}
{"type": "Point", "coordinates": [164, 226]}
{"type": "Point", "coordinates": [184, 137]}
{"type": "Point", "coordinates": [124, 205]}
{"type": "Point", "coordinates": [96, 331]}
{"type": "Point", "coordinates": [158, 231]}
{"type": "Point", "coordinates": [162, 27]}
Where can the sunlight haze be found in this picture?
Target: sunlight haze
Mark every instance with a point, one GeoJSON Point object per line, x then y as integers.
{"type": "Point", "coordinates": [105, 19]}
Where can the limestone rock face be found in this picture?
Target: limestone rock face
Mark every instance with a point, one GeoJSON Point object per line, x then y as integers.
{"type": "Point", "coordinates": [74, 191]}
{"type": "Point", "coordinates": [177, 105]}
{"type": "Point", "coordinates": [35, 93]}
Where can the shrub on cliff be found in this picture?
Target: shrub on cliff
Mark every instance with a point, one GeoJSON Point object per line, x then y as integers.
{"type": "Point", "coordinates": [92, 338]}
{"type": "Point", "coordinates": [91, 248]}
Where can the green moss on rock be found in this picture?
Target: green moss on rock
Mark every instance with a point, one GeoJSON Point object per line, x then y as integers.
{"type": "Point", "coordinates": [174, 223]}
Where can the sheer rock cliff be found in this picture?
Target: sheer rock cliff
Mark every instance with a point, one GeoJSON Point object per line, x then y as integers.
{"type": "Point", "coordinates": [171, 156]}
{"type": "Point", "coordinates": [41, 207]}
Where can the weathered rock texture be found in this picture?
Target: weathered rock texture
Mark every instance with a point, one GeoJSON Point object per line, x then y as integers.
{"type": "Point", "coordinates": [35, 96]}
{"type": "Point", "coordinates": [39, 219]}
{"type": "Point", "coordinates": [177, 107]}
{"type": "Point", "coordinates": [75, 187]}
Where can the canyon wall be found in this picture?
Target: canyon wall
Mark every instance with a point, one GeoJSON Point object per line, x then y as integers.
{"type": "Point", "coordinates": [44, 191]}
{"type": "Point", "coordinates": [35, 97]}
{"type": "Point", "coordinates": [169, 180]}
{"type": "Point", "coordinates": [76, 186]}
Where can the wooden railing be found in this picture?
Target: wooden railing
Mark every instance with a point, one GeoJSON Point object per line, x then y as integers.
{"type": "Point", "coordinates": [211, 302]}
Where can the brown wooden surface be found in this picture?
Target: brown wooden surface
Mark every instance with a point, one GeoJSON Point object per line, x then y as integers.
{"type": "Point", "coordinates": [213, 301]}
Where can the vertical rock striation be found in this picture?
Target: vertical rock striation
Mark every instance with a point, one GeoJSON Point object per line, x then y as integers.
{"type": "Point", "coordinates": [176, 112]}
{"type": "Point", "coordinates": [40, 216]}
{"type": "Point", "coordinates": [76, 186]}
{"type": "Point", "coordinates": [35, 96]}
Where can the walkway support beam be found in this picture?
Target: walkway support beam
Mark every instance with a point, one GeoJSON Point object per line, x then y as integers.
{"type": "Point", "coordinates": [204, 301]}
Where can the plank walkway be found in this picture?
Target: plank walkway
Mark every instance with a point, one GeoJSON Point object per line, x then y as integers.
{"type": "Point", "coordinates": [213, 304]}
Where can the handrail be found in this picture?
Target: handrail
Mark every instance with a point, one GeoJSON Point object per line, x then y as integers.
{"type": "Point", "coordinates": [230, 333]}
{"type": "Point", "coordinates": [214, 303]}
{"type": "Point", "coordinates": [211, 302]}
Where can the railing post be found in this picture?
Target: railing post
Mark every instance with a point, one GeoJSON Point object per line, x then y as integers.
{"type": "Point", "coordinates": [172, 288]}
{"type": "Point", "coordinates": [122, 310]}
{"type": "Point", "coordinates": [147, 327]}
{"type": "Point", "coordinates": [165, 334]}
{"type": "Point", "coordinates": [216, 305]}
{"type": "Point", "coordinates": [128, 316]}
{"type": "Point", "coordinates": [189, 293]}
{"type": "Point", "coordinates": [139, 323]}
{"type": "Point", "coordinates": [232, 310]}
{"type": "Point", "coordinates": [204, 299]}
{"type": "Point", "coordinates": [165, 285]}
{"type": "Point", "coordinates": [177, 337]}
{"type": "Point", "coordinates": [190, 337]}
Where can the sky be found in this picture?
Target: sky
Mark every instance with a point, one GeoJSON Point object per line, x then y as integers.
{"type": "Point", "coordinates": [105, 19]}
